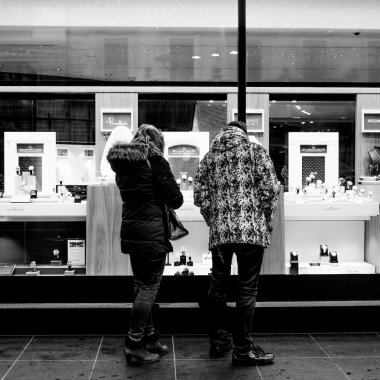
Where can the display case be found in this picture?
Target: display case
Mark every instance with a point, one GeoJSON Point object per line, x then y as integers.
{"type": "Point", "coordinates": [104, 256]}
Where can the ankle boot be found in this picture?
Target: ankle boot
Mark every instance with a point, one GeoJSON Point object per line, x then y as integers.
{"type": "Point", "coordinates": [152, 344]}
{"type": "Point", "coordinates": [136, 350]}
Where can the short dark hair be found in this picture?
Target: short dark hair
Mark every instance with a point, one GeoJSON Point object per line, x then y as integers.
{"type": "Point", "coordinates": [238, 124]}
{"type": "Point", "coordinates": [148, 133]}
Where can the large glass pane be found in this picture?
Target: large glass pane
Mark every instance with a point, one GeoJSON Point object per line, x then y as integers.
{"type": "Point", "coordinates": [313, 42]}
{"type": "Point", "coordinates": [118, 41]}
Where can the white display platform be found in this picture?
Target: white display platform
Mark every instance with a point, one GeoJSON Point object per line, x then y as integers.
{"type": "Point", "coordinates": [340, 268]}
{"type": "Point", "coordinates": [197, 269]}
{"type": "Point", "coordinates": [36, 211]}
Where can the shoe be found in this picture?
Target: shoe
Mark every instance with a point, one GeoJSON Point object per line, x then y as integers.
{"type": "Point", "coordinates": [219, 349]}
{"type": "Point", "coordinates": [153, 345]}
{"type": "Point", "coordinates": [136, 351]}
{"type": "Point", "coordinates": [251, 355]}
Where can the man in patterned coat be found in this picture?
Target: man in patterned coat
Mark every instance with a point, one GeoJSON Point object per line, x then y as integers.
{"type": "Point", "coordinates": [236, 190]}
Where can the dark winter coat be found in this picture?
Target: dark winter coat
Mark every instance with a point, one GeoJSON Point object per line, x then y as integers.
{"type": "Point", "coordinates": [236, 189]}
{"type": "Point", "coordinates": [144, 191]}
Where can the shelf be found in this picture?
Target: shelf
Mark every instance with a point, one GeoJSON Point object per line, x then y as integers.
{"type": "Point", "coordinates": [42, 211]}
{"type": "Point", "coordinates": [340, 268]}
{"type": "Point", "coordinates": [330, 211]}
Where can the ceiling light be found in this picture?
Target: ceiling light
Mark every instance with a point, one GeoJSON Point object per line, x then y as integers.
{"type": "Point", "coordinates": [58, 69]}
{"type": "Point", "coordinates": [233, 52]}
{"type": "Point", "coordinates": [302, 122]}
{"type": "Point", "coordinates": [274, 101]}
{"type": "Point", "coordinates": [215, 55]}
{"type": "Point", "coordinates": [196, 57]}
{"type": "Point", "coordinates": [211, 101]}
{"type": "Point", "coordinates": [107, 74]}
{"type": "Point", "coordinates": [294, 101]}
{"type": "Point", "coordinates": [311, 122]}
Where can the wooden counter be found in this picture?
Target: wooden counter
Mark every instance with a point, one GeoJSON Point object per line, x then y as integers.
{"type": "Point", "coordinates": [103, 253]}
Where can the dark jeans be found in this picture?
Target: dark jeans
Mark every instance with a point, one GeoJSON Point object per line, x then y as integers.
{"type": "Point", "coordinates": [148, 275]}
{"type": "Point", "coordinates": [249, 259]}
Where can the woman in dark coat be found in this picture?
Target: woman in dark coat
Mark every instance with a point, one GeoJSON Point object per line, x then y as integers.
{"type": "Point", "coordinates": [146, 186]}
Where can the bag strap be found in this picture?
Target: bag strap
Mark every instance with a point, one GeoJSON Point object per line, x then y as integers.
{"type": "Point", "coordinates": [149, 165]}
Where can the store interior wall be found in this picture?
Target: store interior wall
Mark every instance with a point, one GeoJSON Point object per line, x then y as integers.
{"type": "Point", "coordinates": [364, 141]}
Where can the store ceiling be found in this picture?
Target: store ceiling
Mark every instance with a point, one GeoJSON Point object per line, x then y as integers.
{"type": "Point", "coordinates": [188, 55]}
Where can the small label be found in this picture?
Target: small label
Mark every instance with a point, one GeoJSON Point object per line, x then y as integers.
{"type": "Point", "coordinates": [313, 148]}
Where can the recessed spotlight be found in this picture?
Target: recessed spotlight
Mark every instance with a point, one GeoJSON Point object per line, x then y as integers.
{"type": "Point", "coordinates": [302, 122]}
{"type": "Point", "coordinates": [215, 55]}
{"type": "Point", "coordinates": [274, 101]}
{"type": "Point", "coordinates": [58, 69]}
{"type": "Point", "coordinates": [294, 101]}
{"type": "Point", "coordinates": [211, 101]}
{"type": "Point", "coordinates": [233, 52]}
{"type": "Point", "coordinates": [107, 74]}
{"type": "Point", "coordinates": [311, 122]}
{"type": "Point", "coordinates": [196, 57]}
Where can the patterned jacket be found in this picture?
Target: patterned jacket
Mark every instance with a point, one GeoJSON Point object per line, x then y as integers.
{"type": "Point", "coordinates": [236, 190]}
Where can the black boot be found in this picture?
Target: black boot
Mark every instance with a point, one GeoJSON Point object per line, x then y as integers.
{"type": "Point", "coordinates": [152, 344]}
{"type": "Point", "coordinates": [137, 351]}
{"type": "Point", "coordinates": [251, 355]}
{"type": "Point", "coordinates": [218, 349]}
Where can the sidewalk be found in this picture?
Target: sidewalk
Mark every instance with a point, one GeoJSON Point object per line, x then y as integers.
{"type": "Point", "coordinates": [298, 356]}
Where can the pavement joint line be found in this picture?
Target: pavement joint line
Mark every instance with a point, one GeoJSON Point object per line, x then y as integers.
{"type": "Point", "coordinates": [174, 359]}
{"type": "Point", "coordinates": [332, 360]}
{"type": "Point", "coordinates": [10, 368]}
{"type": "Point", "coordinates": [96, 357]}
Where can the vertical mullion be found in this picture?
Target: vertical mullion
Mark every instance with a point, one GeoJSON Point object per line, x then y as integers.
{"type": "Point", "coordinates": [242, 62]}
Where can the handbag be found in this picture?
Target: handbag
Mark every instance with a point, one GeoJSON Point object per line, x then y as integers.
{"type": "Point", "coordinates": [175, 228]}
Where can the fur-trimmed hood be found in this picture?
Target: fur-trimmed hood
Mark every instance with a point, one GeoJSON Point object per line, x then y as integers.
{"type": "Point", "coordinates": [119, 154]}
